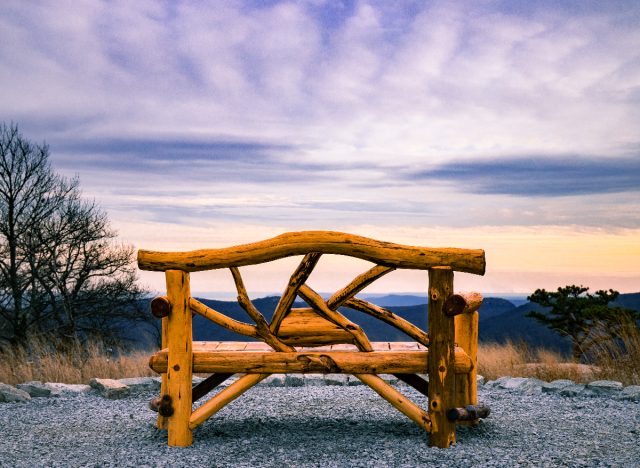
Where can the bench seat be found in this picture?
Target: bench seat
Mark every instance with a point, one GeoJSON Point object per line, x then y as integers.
{"type": "Point", "coordinates": [258, 357]}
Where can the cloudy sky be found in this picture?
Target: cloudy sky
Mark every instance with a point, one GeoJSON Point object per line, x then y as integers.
{"type": "Point", "coordinates": [512, 126]}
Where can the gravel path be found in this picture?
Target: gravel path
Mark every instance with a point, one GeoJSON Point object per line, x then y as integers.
{"type": "Point", "coordinates": [320, 427]}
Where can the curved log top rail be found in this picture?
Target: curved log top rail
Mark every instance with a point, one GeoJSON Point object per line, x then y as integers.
{"type": "Point", "coordinates": [324, 242]}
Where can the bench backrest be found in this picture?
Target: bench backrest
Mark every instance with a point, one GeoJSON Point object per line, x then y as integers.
{"type": "Point", "coordinates": [321, 323]}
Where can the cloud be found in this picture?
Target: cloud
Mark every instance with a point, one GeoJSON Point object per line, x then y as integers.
{"type": "Point", "coordinates": [539, 176]}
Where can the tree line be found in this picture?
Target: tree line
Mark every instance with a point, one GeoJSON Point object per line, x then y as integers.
{"type": "Point", "coordinates": [62, 270]}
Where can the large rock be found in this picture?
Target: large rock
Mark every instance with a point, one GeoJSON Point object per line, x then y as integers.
{"type": "Point", "coordinates": [630, 393]}
{"type": "Point", "coordinates": [35, 389]}
{"type": "Point", "coordinates": [531, 386]}
{"type": "Point", "coordinates": [314, 380]}
{"type": "Point", "coordinates": [110, 388]}
{"type": "Point", "coordinates": [274, 380]}
{"type": "Point", "coordinates": [142, 383]}
{"type": "Point", "coordinates": [605, 387]}
{"type": "Point", "coordinates": [573, 390]}
{"type": "Point", "coordinates": [294, 380]}
{"type": "Point", "coordinates": [9, 394]}
{"type": "Point", "coordinates": [67, 389]}
{"type": "Point", "coordinates": [336, 379]}
{"type": "Point", "coordinates": [556, 386]}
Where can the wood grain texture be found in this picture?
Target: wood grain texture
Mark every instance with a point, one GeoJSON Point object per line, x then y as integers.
{"type": "Point", "coordinates": [348, 362]}
{"type": "Point", "coordinates": [441, 359]}
{"type": "Point", "coordinates": [305, 327]}
{"type": "Point", "coordinates": [324, 242]}
{"type": "Point", "coordinates": [466, 389]}
{"type": "Point", "coordinates": [180, 358]}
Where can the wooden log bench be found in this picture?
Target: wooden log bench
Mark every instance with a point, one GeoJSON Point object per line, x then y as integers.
{"type": "Point", "coordinates": [319, 338]}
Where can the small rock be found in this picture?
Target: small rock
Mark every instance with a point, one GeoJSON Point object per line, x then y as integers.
{"type": "Point", "coordinates": [9, 394]}
{"type": "Point", "coordinates": [572, 390]}
{"type": "Point", "coordinates": [556, 385]}
{"type": "Point", "coordinates": [605, 387]}
{"type": "Point", "coordinates": [142, 383]}
{"type": "Point", "coordinates": [35, 389]}
{"type": "Point", "coordinates": [480, 380]}
{"type": "Point", "coordinates": [110, 388]}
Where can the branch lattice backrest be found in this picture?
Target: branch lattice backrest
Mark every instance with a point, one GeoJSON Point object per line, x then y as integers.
{"type": "Point", "coordinates": [451, 368]}
{"type": "Point", "coordinates": [312, 326]}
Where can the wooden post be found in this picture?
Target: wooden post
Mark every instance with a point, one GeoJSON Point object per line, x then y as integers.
{"type": "Point", "coordinates": [441, 359]}
{"type": "Point", "coordinates": [162, 422]}
{"type": "Point", "coordinates": [466, 326]}
{"type": "Point", "coordinates": [180, 357]}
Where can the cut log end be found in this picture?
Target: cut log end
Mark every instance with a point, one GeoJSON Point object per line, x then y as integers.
{"type": "Point", "coordinates": [469, 413]}
{"type": "Point", "coordinates": [162, 405]}
{"type": "Point", "coordinates": [465, 303]}
{"type": "Point", "coordinates": [160, 307]}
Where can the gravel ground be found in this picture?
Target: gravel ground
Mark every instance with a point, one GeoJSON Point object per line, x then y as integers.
{"type": "Point", "coordinates": [320, 427]}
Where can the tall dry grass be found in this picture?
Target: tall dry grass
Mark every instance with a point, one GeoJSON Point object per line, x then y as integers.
{"type": "Point", "coordinates": [608, 358]}
{"type": "Point", "coordinates": [519, 360]}
{"type": "Point", "coordinates": [76, 362]}
{"type": "Point", "coordinates": [619, 358]}
{"type": "Point", "coordinates": [69, 362]}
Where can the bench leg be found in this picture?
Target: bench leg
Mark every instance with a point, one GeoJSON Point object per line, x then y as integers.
{"type": "Point", "coordinates": [180, 358]}
{"type": "Point", "coordinates": [467, 384]}
{"type": "Point", "coordinates": [162, 422]}
{"type": "Point", "coordinates": [441, 359]}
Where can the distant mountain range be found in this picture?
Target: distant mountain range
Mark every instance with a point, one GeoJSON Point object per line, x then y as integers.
{"type": "Point", "coordinates": [500, 320]}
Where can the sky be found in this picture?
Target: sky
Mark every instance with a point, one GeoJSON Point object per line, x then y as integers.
{"type": "Point", "coordinates": [511, 126]}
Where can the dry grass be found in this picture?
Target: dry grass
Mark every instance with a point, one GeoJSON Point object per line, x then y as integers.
{"type": "Point", "coordinates": [619, 359]}
{"type": "Point", "coordinates": [69, 362]}
{"type": "Point", "coordinates": [518, 360]}
{"type": "Point", "coordinates": [610, 359]}
{"type": "Point", "coordinates": [77, 363]}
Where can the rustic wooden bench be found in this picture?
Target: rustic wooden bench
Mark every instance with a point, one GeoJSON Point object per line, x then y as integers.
{"type": "Point", "coordinates": [319, 338]}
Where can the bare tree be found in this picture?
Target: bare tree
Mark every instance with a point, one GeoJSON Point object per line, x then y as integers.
{"type": "Point", "coordinates": [62, 269]}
